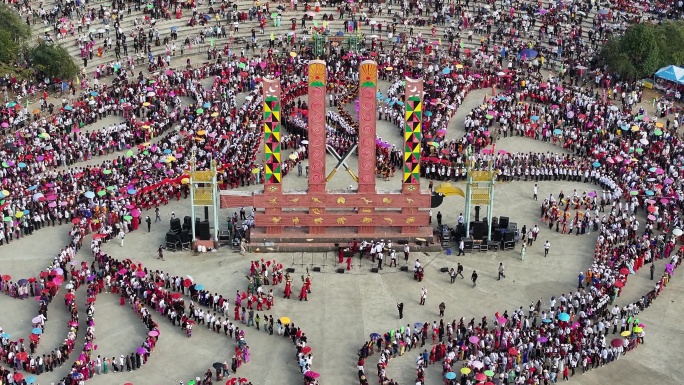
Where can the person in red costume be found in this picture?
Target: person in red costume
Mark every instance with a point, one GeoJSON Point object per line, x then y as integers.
{"type": "Point", "coordinates": [288, 288]}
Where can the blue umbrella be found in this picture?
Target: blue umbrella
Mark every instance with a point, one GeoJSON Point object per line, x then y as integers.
{"type": "Point", "coordinates": [167, 151]}
{"type": "Point", "coordinates": [650, 193]}
{"type": "Point", "coordinates": [446, 71]}
{"type": "Point", "coordinates": [374, 336]}
{"type": "Point", "coordinates": [174, 29]}
{"type": "Point", "coordinates": [207, 105]}
{"type": "Point", "coordinates": [565, 317]}
{"type": "Point", "coordinates": [625, 127]}
{"type": "Point", "coordinates": [207, 17]}
{"type": "Point", "coordinates": [37, 331]}
{"type": "Point", "coordinates": [399, 102]}
{"type": "Point", "coordinates": [22, 282]}
{"type": "Point", "coordinates": [557, 131]}
{"type": "Point", "coordinates": [450, 376]}
{"type": "Point", "coordinates": [528, 53]}
{"type": "Point", "coordinates": [418, 325]}
{"type": "Point", "coordinates": [94, 93]}
{"type": "Point", "coordinates": [596, 164]}
{"type": "Point", "coordinates": [5, 335]}
{"type": "Point", "coordinates": [546, 320]}
{"type": "Point", "coordinates": [68, 108]}
{"type": "Point", "coordinates": [428, 113]}
{"type": "Point", "coordinates": [534, 118]}
{"type": "Point", "coordinates": [32, 188]}
{"type": "Point", "coordinates": [132, 191]}
{"type": "Point", "coordinates": [89, 194]}
{"type": "Point", "coordinates": [31, 380]}
{"type": "Point", "coordinates": [27, 212]}
{"type": "Point", "coordinates": [22, 165]}
{"type": "Point", "coordinates": [199, 287]}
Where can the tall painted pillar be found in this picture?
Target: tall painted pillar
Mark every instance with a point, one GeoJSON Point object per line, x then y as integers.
{"type": "Point", "coordinates": [272, 159]}
{"type": "Point", "coordinates": [413, 104]}
{"type": "Point", "coordinates": [368, 86]}
{"type": "Point", "coordinates": [317, 135]}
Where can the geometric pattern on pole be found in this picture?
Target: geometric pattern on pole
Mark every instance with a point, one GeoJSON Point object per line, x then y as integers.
{"type": "Point", "coordinates": [413, 131]}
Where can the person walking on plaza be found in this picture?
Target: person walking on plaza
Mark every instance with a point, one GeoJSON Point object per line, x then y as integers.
{"type": "Point", "coordinates": [442, 307]}
{"type": "Point", "coordinates": [459, 271]}
{"type": "Point", "coordinates": [502, 270]}
{"type": "Point", "coordinates": [148, 220]}
{"type": "Point", "coordinates": [160, 252]}
{"type": "Point", "coordinates": [121, 237]}
{"type": "Point", "coordinates": [461, 247]}
{"type": "Point", "coordinates": [400, 308]}
{"type": "Point", "coordinates": [535, 190]}
{"type": "Point", "coordinates": [547, 246]}
{"type": "Point", "coordinates": [473, 278]}
{"type": "Point", "coordinates": [652, 269]}
{"type": "Point", "coordinates": [157, 218]}
{"type": "Point", "coordinates": [452, 274]}
{"type": "Point", "coordinates": [423, 296]}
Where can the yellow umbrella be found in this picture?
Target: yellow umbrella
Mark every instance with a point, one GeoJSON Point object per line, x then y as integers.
{"type": "Point", "coordinates": [201, 132]}
{"type": "Point", "coordinates": [293, 54]}
{"type": "Point", "coordinates": [256, 170]}
{"type": "Point", "coordinates": [5, 193]}
{"type": "Point", "coordinates": [285, 320]}
{"type": "Point", "coordinates": [170, 159]}
{"type": "Point", "coordinates": [447, 189]}
{"type": "Point", "coordinates": [185, 180]}
{"type": "Point", "coordinates": [465, 371]}
{"type": "Point", "coordinates": [635, 128]}
{"type": "Point", "coordinates": [146, 126]}
{"type": "Point", "coordinates": [36, 112]}
{"type": "Point", "coordinates": [459, 66]}
{"type": "Point", "coordinates": [626, 333]}
{"type": "Point", "coordinates": [215, 114]}
{"type": "Point", "coordinates": [19, 214]}
{"type": "Point", "coordinates": [638, 329]}
{"type": "Point", "coordinates": [389, 68]}
{"type": "Point", "coordinates": [659, 125]}
{"type": "Point", "coordinates": [146, 144]}
{"type": "Point", "coordinates": [293, 156]}
{"type": "Point", "coordinates": [146, 104]}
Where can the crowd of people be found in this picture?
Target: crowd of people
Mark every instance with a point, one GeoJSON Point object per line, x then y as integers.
{"type": "Point", "coordinates": [603, 135]}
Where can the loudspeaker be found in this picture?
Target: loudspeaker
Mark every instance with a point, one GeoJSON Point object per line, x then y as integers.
{"type": "Point", "coordinates": [197, 227]}
{"type": "Point", "coordinates": [444, 270]}
{"type": "Point", "coordinates": [374, 269]}
{"type": "Point", "coordinates": [495, 222]}
{"type": "Point", "coordinates": [204, 233]}
{"type": "Point", "coordinates": [509, 236]}
{"type": "Point", "coordinates": [187, 223]}
{"type": "Point", "coordinates": [467, 243]}
{"type": "Point", "coordinates": [185, 236]}
{"type": "Point", "coordinates": [171, 237]}
{"type": "Point", "coordinates": [317, 269]}
{"type": "Point", "coordinates": [340, 270]}
{"type": "Point", "coordinates": [175, 225]}
{"type": "Point", "coordinates": [290, 270]}
{"type": "Point", "coordinates": [497, 235]}
{"type": "Point", "coordinates": [503, 222]}
{"type": "Point", "coordinates": [404, 268]}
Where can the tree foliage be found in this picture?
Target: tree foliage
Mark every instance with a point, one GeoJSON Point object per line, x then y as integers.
{"type": "Point", "coordinates": [13, 33]}
{"type": "Point", "coordinates": [644, 48]}
{"type": "Point", "coordinates": [54, 61]}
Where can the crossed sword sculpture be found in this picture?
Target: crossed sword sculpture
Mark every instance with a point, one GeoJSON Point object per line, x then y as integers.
{"type": "Point", "coordinates": [341, 161]}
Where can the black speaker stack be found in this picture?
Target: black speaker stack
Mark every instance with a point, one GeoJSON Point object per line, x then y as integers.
{"type": "Point", "coordinates": [187, 223]}
{"type": "Point", "coordinates": [503, 222]}
{"type": "Point", "coordinates": [175, 225]}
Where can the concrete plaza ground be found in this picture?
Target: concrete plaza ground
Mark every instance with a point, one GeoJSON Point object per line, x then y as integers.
{"type": "Point", "coordinates": [345, 308]}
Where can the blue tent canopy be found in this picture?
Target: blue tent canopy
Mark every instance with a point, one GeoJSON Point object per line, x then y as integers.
{"type": "Point", "coordinates": [671, 73]}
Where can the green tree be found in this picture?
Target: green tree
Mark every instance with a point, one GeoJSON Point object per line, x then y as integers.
{"type": "Point", "coordinates": [13, 33]}
{"type": "Point", "coordinates": [53, 61]}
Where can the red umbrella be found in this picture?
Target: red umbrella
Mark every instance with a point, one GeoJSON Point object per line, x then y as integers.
{"type": "Point", "coordinates": [176, 295]}
{"type": "Point", "coordinates": [90, 299]}
{"type": "Point", "coordinates": [513, 351]}
{"type": "Point", "coordinates": [34, 337]}
{"type": "Point", "coordinates": [76, 221]}
{"type": "Point", "coordinates": [6, 278]}
{"type": "Point", "coordinates": [18, 376]}
{"type": "Point", "coordinates": [43, 274]}
{"type": "Point", "coordinates": [22, 356]}
{"type": "Point", "coordinates": [187, 282]}
{"type": "Point", "coordinates": [619, 284]}
{"type": "Point", "coordinates": [69, 296]}
{"type": "Point", "coordinates": [624, 271]}
{"type": "Point", "coordinates": [616, 342]}
{"type": "Point", "coordinates": [306, 349]}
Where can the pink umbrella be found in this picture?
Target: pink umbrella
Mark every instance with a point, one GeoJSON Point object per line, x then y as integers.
{"type": "Point", "coordinates": [135, 213]}
{"type": "Point", "coordinates": [140, 273]}
{"type": "Point", "coordinates": [122, 271]}
{"type": "Point", "coordinates": [153, 333]}
{"type": "Point", "coordinates": [651, 218]}
{"type": "Point", "coordinates": [474, 339]}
